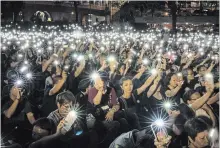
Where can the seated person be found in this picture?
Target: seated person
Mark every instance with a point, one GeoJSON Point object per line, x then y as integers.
{"type": "Point", "coordinates": [103, 100]}
{"type": "Point", "coordinates": [197, 130]}
{"type": "Point", "coordinates": [140, 139]}
{"type": "Point", "coordinates": [199, 103]}
{"type": "Point", "coordinates": [17, 114]}
{"type": "Point", "coordinates": [65, 102]}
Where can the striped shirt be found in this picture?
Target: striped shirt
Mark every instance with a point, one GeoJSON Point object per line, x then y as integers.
{"type": "Point", "coordinates": [55, 116]}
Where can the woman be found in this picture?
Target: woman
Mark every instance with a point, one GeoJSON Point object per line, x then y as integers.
{"type": "Point", "coordinates": [130, 100]}
{"type": "Point", "coordinates": [189, 79]}
{"type": "Point", "coordinates": [173, 87]}
{"type": "Point", "coordinates": [200, 103]}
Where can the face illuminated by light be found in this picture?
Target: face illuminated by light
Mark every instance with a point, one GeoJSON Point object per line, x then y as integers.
{"type": "Point", "coordinates": [64, 108]}
{"type": "Point", "coordinates": [174, 80]}
{"type": "Point", "coordinates": [127, 86]}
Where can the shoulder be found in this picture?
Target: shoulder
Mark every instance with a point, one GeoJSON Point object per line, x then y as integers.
{"type": "Point", "coordinates": [52, 114]}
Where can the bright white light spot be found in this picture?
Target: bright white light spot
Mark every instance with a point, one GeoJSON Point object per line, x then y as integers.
{"type": "Point", "coordinates": [90, 55]}
{"type": "Point", "coordinates": [146, 46]}
{"type": "Point", "coordinates": [179, 74]}
{"type": "Point", "coordinates": [56, 62]}
{"type": "Point", "coordinates": [23, 68]}
{"type": "Point", "coordinates": [20, 55]}
{"type": "Point", "coordinates": [94, 75]}
{"type": "Point", "coordinates": [29, 75]}
{"type": "Point", "coordinates": [145, 61]}
{"type": "Point", "coordinates": [153, 71]}
{"type": "Point", "coordinates": [19, 82]}
{"type": "Point", "coordinates": [167, 105]}
{"type": "Point", "coordinates": [208, 76]}
{"type": "Point", "coordinates": [66, 67]}
{"type": "Point", "coordinates": [159, 123]}
{"type": "Point", "coordinates": [111, 58]}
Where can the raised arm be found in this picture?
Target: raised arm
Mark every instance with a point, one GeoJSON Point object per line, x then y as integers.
{"type": "Point", "coordinates": [202, 63]}
{"type": "Point", "coordinates": [98, 98]}
{"type": "Point", "coordinates": [80, 68]}
{"type": "Point", "coordinates": [59, 84]}
{"type": "Point", "coordinates": [140, 73]}
{"type": "Point", "coordinates": [210, 67]}
{"type": "Point", "coordinates": [154, 86]}
{"type": "Point", "coordinates": [213, 99]}
{"type": "Point", "coordinates": [10, 111]}
{"type": "Point", "coordinates": [48, 62]}
{"type": "Point", "coordinates": [146, 84]}
{"type": "Point", "coordinates": [201, 101]}
{"type": "Point", "coordinates": [173, 92]}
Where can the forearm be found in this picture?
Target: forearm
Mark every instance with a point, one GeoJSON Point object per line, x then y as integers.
{"type": "Point", "coordinates": [125, 72]}
{"type": "Point", "coordinates": [79, 70]}
{"type": "Point", "coordinates": [97, 98]}
{"type": "Point", "coordinates": [115, 108]}
{"type": "Point", "coordinates": [46, 65]}
{"type": "Point", "coordinates": [138, 75]}
{"type": "Point", "coordinates": [152, 89]}
{"type": "Point", "coordinates": [57, 87]}
{"type": "Point", "coordinates": [30, 117]}
{"type": "Point", "coordinates": [8, 113]}
{"type": "Point", "coordinates": [211, 114]}
{"type": "Point", "coordinates": [213, 99]}
{"type": "Point", "coordinates": [210, 69]}
{"type": "Point", "coordinates": [173, 92]}
{"type": "Point", "coordinates": [142, 54]}
{"type": "Point", "coordinates": [146, 84]}
{"type": "Point", "coordinates": [195, 69]}
{"type": "Point", "coordinates": [187, 64]}
{"type": "Point", "coordinates": [201, 101]}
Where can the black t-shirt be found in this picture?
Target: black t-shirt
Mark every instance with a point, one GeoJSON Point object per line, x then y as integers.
{"type": "Point", "coordinates": [49, 102]}
{"type": "Point", "coordinates": [22, 109]}
{"type": "Point", "coordinates": [130, 102]}
{"type": "Point", "coordinates": [72, 83]}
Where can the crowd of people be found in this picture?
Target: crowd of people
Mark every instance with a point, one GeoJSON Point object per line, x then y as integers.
{"type": "Point", "coordinates": [65, 87]}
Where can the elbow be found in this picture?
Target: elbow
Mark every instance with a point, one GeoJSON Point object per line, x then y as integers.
{"type": "Point", "coordinates": [7, 115]}
{"type": "Point", "coordinates": [96, 102]}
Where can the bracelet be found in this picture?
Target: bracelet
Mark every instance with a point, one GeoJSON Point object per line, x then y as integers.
{"type": "Point", "coordinates": [113, 110]}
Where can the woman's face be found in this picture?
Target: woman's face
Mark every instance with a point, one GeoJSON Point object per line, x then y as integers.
{"type": "Point", "coordinates": [127, 86]}
{"type": "Point", "coordinates": [194, 97]}
{"type": "Point", "coordinates": [202, 70]}
{"type": "Point", "coordinates": [174, 80]}
{"type": "Point", "coordinates": [190, 75]}
{"type": "Point", "coordinates": [122, 69]}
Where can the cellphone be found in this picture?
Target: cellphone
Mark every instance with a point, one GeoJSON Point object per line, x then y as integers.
{"type": "Point", "coordinates": [69, 120]}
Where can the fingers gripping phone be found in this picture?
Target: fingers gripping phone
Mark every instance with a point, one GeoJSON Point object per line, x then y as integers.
{"type": "Point", "coordinates": [69, 121]}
